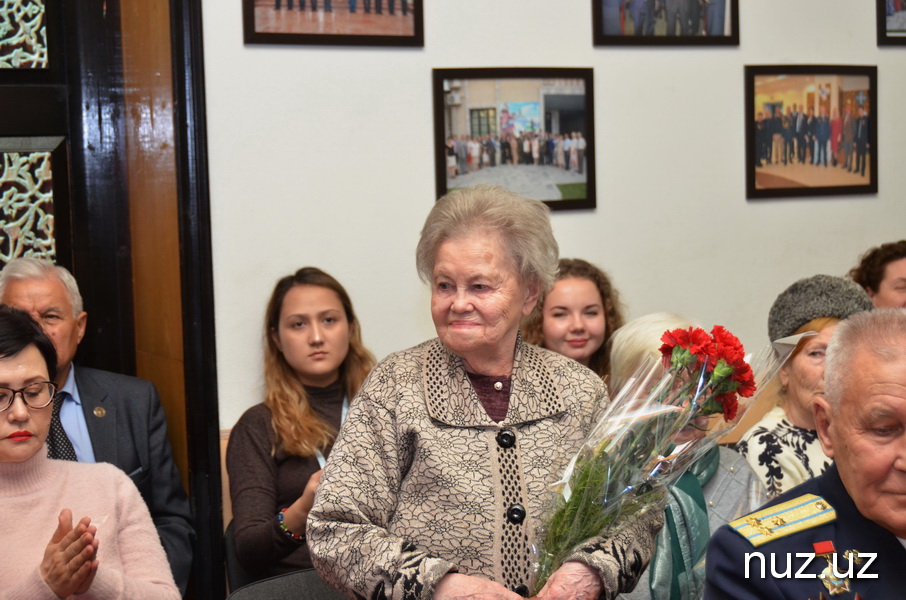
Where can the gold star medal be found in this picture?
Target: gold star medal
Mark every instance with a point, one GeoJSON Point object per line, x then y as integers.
{"type": "Point", "coordinates": [835, 585]}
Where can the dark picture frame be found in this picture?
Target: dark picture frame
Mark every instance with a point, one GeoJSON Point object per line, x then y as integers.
{"type": "Point", "coordinates": [308, 22]}
{"type": "Point", "coordinates": [716, 23]}
{"type": "Point", "coordinates": [815, 141]}
{"type": "Point", "coordinates": [510, 127]}
{"type": "Point", "coordinates": [891, 27]}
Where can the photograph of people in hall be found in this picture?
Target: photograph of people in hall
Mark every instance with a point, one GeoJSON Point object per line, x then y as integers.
{"type": "Point", "coordinates": [353, 22]}
{"type": "Point", "coordinates": [665, 21]}
{"type": "Point", "coordinates": [810, 132]}
{"type": "Point", "coordinates": [528, 134]}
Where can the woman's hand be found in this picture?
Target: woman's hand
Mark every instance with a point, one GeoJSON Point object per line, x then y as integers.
{"type": "Point", "coordinates": [70, 559]}
{"type": "Point", "coordinates": [454, 586]}
{"type": "Point", "coordinates": [572, 581]}
{"type": "Point", "coordinates": [297, 514]}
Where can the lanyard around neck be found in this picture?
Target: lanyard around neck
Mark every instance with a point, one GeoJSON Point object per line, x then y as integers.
{"type": "Point", "coordinates": [318, 454]}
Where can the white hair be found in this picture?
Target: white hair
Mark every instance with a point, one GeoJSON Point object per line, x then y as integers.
{"type": "Point", "coordinates": [28, 267]}
{"type": "Point", "coordinates": [880, 332]}
{"type": "Point", "coordinates": [524, 227]}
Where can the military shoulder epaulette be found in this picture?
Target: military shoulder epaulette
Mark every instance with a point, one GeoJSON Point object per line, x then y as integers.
{"type": "Point", "coordinates": [785, 519]}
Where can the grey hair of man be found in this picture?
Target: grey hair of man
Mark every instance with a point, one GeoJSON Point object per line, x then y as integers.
{"type": "Point", "coordinates": [524, 227]}
{"type": "Point", "coordinates": [880, 332]}
{"type": "Point", "coordinates": [28, 267]}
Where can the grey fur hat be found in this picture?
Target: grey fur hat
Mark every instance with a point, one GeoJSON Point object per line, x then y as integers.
{"type": "Point", "coordinates": [815, 297]}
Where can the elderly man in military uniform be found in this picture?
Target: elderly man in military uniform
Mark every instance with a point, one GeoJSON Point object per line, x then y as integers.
{"type": "Point", "coordinates": [842, 534]}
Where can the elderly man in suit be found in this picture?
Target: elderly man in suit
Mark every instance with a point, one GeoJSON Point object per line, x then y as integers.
{"type": "Point", "coordinates": [841, 534]}
{"type": "Point", "coordinates": [105, 417]}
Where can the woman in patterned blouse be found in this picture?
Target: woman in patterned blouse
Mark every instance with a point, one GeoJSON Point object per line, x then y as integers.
{"type": "Point", "coordinates": [783, 447]}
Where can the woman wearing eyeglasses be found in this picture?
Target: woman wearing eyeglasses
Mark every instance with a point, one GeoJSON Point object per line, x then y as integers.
{"type": "Point", "coordinates": [112, 550]}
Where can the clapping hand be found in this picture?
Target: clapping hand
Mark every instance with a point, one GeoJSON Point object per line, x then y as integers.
{"type": "Point", "coordinates": [296, 514]}
{"type": "Point", "coordinates": [70, 559]}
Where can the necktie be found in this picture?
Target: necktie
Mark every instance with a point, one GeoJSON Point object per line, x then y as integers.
{"type": "Point", "coordinates": [58, 445]}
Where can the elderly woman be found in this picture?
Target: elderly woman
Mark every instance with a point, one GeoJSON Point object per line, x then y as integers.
{"type": "Point", "coordinates": [113, 550]}
{"type": "Point", "coordinates": [783, 447]}
{"type": "Point", "coordinates": [438, 482]}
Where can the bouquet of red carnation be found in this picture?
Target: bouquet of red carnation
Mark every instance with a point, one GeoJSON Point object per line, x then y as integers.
{"type": "Point", "coordinates": [660, 422]}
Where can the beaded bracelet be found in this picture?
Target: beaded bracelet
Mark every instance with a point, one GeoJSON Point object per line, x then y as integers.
{"type": "Point", "coordinates": [280, 519]}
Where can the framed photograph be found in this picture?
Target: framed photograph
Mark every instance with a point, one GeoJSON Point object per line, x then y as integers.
{"type": "Point", "coordinates": [665, 22]}
{"type": "Point", "coordinates": [530, 130]}
{"type": "Point", "coordinates": [891, 22]}
{"type": "Point", "coordinates": [334, 22]}
{"type": "Point", "coordinates": [811, 130]}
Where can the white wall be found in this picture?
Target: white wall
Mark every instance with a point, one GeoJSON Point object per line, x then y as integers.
{"type": "Point", "coordinates": [324, 156]}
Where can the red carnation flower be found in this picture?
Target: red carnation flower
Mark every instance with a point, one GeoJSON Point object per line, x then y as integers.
{"type": "Point", "coordinates": [745, 378]}
{"type": "Point", "coordinates": [695, 340]}
{"type": "Point", "coordinates": [727, 345]}
{"type": "Point", "coordinates": [730, 405]}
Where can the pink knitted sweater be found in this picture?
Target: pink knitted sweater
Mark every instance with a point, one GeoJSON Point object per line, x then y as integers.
{"type": "Point", "coordinates": [132, 563]}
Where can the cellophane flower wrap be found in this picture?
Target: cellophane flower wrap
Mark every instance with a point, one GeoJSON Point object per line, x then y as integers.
{"type": "Point", "coordinates": [660, 422]}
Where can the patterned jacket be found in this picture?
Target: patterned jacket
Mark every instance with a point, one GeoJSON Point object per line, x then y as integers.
{"type": "Point", "coordinates": [421, 482]}
{"type": "Point", "coordinates": [782, 454]}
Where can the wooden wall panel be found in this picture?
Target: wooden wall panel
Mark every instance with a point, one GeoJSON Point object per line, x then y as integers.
{"type": "Point", "coordinates": [153, 206]}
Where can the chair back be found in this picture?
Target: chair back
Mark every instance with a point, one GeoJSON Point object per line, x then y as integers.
{"type": "Point", "coordinates": [237, 576]}
{"type": "Point", "coordinates": [300, 585]}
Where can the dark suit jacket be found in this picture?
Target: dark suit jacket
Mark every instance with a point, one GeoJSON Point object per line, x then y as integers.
{"type": "Point", "coordinates": [800, 124]}
{"type": "Point", "coordinates": [128, 428]}
{"type": "Point", "coordinates": [849, 531]}
{"type": "Point", "coordinates": [861, 132]}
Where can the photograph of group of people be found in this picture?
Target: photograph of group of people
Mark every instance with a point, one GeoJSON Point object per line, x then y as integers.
{"type": "Point", "coordinates": [664, 18]}
{"type": "Point", "coordinates": [467, 155]}
{"type": "Point", "coordinates": [811, 131]}
{"type": "Point", "coordinates": [529, 135]}
{"type": "Point", "coordinates": [335, 17]}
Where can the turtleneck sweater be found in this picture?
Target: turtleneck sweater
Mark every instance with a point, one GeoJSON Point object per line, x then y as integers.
{"type": "Point", "coordinates": [132, 563]}
{"type": "Point", "coordinates": [265, 479]}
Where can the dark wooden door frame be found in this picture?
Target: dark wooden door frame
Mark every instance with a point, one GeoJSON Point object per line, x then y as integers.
{"type": "Point", "coordinates": [80, 98]}
{"type": "Point", "coordinates": [101, 244]}
{"type": "Point", "coordinates": [203, 426]}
